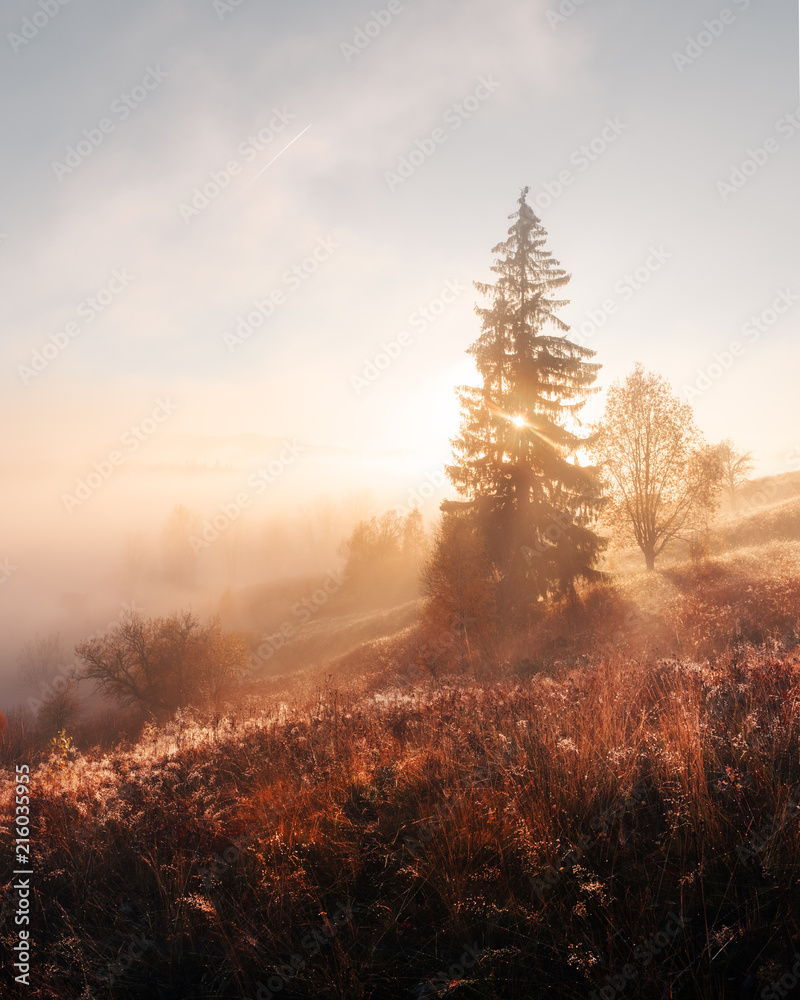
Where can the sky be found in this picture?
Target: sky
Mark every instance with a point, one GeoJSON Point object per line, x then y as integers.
{"type": "Point", "coordinates": [350, 167]}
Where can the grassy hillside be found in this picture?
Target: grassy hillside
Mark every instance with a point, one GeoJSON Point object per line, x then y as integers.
{"type": "Point", "coordinates": [606, 803]}
{"type": "Point", "coordinates": [762, 525]}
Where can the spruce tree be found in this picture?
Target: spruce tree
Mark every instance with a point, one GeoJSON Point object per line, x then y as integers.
{"type": "Point", "coordinates": [515, 460]}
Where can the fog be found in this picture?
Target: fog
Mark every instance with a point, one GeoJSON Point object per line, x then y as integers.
{"type": "Point", "coordinates": [238, 244]}
{"type": "Point", "coordinates": [180, 524]}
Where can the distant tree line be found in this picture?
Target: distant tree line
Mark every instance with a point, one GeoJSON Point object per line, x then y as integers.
{"type": "Point", "coordinates": [386, 551]}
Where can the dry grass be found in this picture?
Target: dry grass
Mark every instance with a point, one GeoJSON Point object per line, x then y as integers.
{"type": "Point", "coordinates": [619, 760]}
{"type": "Point", "coordinates": [763, 525]}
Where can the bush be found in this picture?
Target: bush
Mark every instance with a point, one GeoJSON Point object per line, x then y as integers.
{"type": "Point", "coordinates": [164, 663]}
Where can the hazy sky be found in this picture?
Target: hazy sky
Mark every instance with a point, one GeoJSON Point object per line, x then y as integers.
{"type": "Point", "coordinates": [630, 114]}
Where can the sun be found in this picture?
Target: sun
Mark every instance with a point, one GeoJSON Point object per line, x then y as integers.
{"type": "Point", "coordinates": [519, 421]}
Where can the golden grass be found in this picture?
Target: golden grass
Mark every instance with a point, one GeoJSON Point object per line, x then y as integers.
{"type": "Point", "coordinates": [616, 761]}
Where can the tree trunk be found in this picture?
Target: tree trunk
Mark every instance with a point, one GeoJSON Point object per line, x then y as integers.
{"type": "Point", "coordinates": [650, 559]}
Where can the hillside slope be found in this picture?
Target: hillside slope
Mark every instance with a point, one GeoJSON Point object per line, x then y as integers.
{"type": "Point", "coordinates": [616, 821]}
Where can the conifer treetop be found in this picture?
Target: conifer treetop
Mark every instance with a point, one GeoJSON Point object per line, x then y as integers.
{"type": "Point", "coordinates": [515, 460]}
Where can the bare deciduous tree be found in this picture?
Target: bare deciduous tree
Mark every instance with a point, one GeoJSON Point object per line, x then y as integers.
{"type": "Point", "coordinates": [164, 663]}
{"type": "Point", "coordinates": [736, 469]}
{"type": "Point", "coordinates": [41, 659]}
{"type": "Point", "coordinates": [661, 477]}
{"type": "Point", "coordinates": [44, 671]}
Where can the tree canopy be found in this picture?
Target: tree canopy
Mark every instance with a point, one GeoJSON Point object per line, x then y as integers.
{"type": "Point", "coordinates": [164, 663]}
{"type": "Point", "coordinates": [662, 478]}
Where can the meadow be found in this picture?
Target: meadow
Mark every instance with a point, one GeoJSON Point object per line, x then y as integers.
{"type": "Point", "coordinates": [601, 803]}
